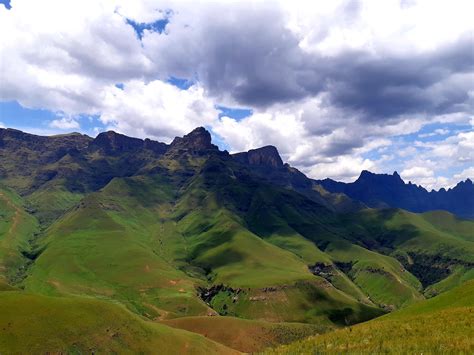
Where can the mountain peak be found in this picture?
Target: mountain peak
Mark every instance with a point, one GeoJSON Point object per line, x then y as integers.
{"type": "Point", "coordinates": [264, 156]}
{"type": "Point", "coordinates": [365, 173]}
{"type": "Point", "coordinates": [368, 176]}
{"type": "Point", "coordinates": [111, 141]}
{"type": "Point", "coordinates": [198, 139]}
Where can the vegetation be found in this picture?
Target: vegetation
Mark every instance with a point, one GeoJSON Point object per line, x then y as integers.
{"type": "Point", "coordinates": [442, 324]}
{"type": "Point", "coordinates": [40, 324]}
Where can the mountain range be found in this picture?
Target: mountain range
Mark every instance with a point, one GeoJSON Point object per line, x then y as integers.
{"type": "Point", "coordinates": [383, 190]}
{"type": "Point", "coordinates": [180, 247]}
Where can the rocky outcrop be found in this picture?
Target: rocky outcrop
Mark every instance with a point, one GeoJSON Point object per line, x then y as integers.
{"type": "Point", "coordinates": [198, 140]}
{"type": "Point", "coordinates": [265, 156]}
{"type": "Point", "coordinates": [115, 143]}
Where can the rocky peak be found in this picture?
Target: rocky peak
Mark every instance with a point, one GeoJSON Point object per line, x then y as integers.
{"type": "Point", "coordinates": [197, 140]}
{"type": "Point", "coordinates": [465, 185]}
{"type": "Point", "coordinates": [115, 143]}
{"type": "Point", "coordinates": [111, 141]}
{"type": "Point", "coordinates": [369, 177]}
{"type": "Point", "coordinates": [15, 139]}
{"type": "Point", "coordinates": [264, 156]}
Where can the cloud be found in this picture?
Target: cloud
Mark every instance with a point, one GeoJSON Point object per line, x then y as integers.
{"type": "Point", "coordinates": [163, 110]}
{"type": "Point", "coordinates": [465, 174]}
{"type": "Point", "coordinates": [283, 64]}
{"type": "Point", "coordinates": [436, 132]}
{"type": "Point", "coordinates": [332, 84]}
{"type": "Point", "coordinates": [64, 123]}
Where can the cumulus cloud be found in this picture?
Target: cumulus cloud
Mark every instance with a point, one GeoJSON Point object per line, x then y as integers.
{"type": "Point", "coordinates": [164, 110]}
{"type": "Point", "coordinates": [64, 123]}
{"type": "Point", "coordinates": [465, 174]}
{"type": "Point", "coordinates": [331, 84]}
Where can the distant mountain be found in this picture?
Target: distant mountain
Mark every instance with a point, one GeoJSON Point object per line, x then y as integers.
{"type": "Point", "coordinates": [384, 190]}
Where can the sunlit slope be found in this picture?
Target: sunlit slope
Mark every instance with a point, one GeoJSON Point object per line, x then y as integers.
{"type": "Point", "coordinates": [435, 246]}
{"type": "Point", "coordinates": [41, 324]}
{"type": "Point", "coordinates": [443, 324]}
{"type": "Point", "coordinates": [142, 242]}
{"type": "Point", "coordinates": [114, 244]}
{"type": "Point", "coordinates": [16, 228]}
{"type": "Point", "coordinates": [246, 335]}
{"type": "Point", "coordinates": [265, 280]}
{"type": "Point", "coordinates": [296, 224]}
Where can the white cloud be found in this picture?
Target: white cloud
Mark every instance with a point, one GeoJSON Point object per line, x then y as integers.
{"type": "Point", "coordinates": [342, 168]}
{"type": "Point", "coordinates": [377, 26]}
{"type": "Point", "coordinates": [64, 123]}
{"type": "Point", "coordinates": [156, 109]}
{"type": "Point", "coordinates": [416, 172]}
{"type": "Point", "coordinates": [421, 175]}
{"type": "Point", "coordinates": [436, 132]}
{"type": "Point", "coordinates": [465, 174]}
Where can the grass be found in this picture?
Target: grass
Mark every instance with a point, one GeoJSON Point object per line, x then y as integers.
{"type": "Point", "coordinates": [16, 229]}
{"type": "Point", "coordinates": [443, 324]}
{"type": "Point", "coordinates": [140, 242]}
{"type": "Point", "coordinates": [383, 278]}
{"type": "Point", "coordinates": [41, 324]}
{"type": "Point", "coordinates": [108, 247]}
{"type": "Point", "coordinates": [48, 204]}
{"type": "Point", "coordinates": [246, 335]}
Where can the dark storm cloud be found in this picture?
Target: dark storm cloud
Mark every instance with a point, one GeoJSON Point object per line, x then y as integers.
{"type": "Point", "coordinates": [259, 63]}
{"type": "Point", "coordinates": [377, 88]}
{"type": "Point", "coordinates": [387, 87]}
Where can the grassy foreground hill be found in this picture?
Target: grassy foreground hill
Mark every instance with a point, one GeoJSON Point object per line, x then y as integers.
{"type": "Point", "coordinates": [443, 324]}
{"type": "Point", "coordinates": [41, 324]}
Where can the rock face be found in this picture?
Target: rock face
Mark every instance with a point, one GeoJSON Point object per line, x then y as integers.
{"type": "Point", "coordinates": [115, 143]}
{"type": "Point", "coordinates": [384, 190]}
{"type": "Point", "coordinates": [13, 139]}
{"type": "Point", "coordinates": [198, 140]}
{"type": "Point", "coordinates": [265, 156]}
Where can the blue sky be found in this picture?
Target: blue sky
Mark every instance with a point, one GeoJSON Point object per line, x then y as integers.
{"type": "Point", "coordinates": [335, 96]}
{"type": "Point", "coordinates": [13, 115]}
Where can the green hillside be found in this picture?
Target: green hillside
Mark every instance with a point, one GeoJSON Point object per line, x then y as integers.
{"type": "Point", "coordinates": [17, 227]}
{"type": "Point", "coordinates": [443, 324]}
{"type": "Point", "coordinates": [40, 324]}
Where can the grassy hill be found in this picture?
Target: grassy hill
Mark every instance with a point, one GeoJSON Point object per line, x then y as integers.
{"type": "Point", "coordinates": [246, 335]}
{"type": "Point", "coordinates": [17, 227]}
{"type": "Point", "coordinates": [41, 324]}
{"type": "Point", "coordinates": [443, 324]}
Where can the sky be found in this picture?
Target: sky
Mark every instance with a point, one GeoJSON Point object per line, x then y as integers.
{"type": "Point", "coordinates": [336, 86]}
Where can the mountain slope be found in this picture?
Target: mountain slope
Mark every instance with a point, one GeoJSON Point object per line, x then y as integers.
{"type": "Point", "coordinates": [16, 229]}
{"type": "Point", "coordinates": [440, 325]}
{"type": "Point", "coordinates": [41, 324]}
